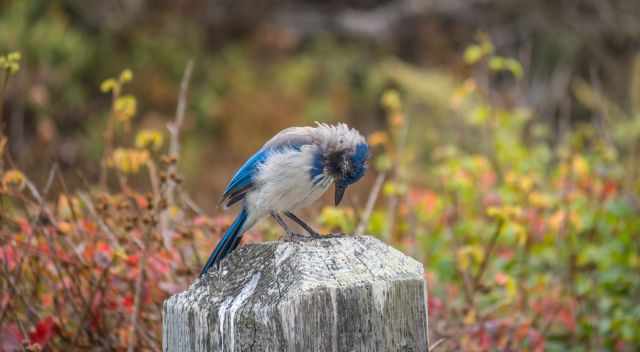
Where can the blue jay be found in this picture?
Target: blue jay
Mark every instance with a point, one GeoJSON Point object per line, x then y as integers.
{"type": "Point", "coordinates": [291, 171]}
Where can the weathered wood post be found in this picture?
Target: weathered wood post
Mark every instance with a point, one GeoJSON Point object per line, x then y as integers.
{"type": "Point", "coordinates": [333, 294]}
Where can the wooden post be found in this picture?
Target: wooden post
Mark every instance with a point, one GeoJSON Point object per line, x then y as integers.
{"type": "Point", "coordinates": [336, 294]}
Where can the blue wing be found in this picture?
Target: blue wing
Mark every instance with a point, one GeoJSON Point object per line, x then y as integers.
{"type": "Point", "coordinates": [243, 180]}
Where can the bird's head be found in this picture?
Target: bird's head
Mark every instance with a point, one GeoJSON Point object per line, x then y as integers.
{"type": "Point", "coordinates": [347, 167]}
{"type": "Point", "coordinates": [343, 155]}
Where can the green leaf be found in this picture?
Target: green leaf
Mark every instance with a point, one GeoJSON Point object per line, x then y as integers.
{"type": "Point", "coordinates": [515, 67]}
{"type": "Point", "coordinates": [497, 63]}
{"type": "Point", "coordinates": [108, 85]}
{"type": "Point", "coordinates": [473, 54]}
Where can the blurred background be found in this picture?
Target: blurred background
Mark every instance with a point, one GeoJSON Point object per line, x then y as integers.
{"type": "Point", "coordinates": [279, 64]}
{"type": "Point", "coordinates": [506, 138]}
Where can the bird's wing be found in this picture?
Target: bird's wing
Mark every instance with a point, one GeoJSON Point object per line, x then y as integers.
{"type": "Point", "coordinates": [243, 180]}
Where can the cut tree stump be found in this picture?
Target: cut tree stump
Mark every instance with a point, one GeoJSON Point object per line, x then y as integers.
{"type": "Point", "coordinates": [334, 294]}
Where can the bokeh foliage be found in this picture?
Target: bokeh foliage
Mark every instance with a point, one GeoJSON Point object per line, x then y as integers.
{"type": "Point", "coordinates": [528, 228]}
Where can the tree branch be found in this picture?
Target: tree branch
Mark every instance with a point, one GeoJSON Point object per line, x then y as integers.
{"type": "Point", "coordinates": [373, 196]}
{"type": "Point", "coordinates": [174, 153]}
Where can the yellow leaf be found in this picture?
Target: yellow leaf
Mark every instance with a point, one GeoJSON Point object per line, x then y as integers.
{"type": "Point", "coordinates": [580, 166]}
{"type": "Point", "coordinates": [125, 107]}
{"type": "Point", "coordinates": [470, 317]}
{"type": "Point", "coordinates": [515, 67]}
{"type": "Point", "coordinates": [473, 54]}
{"type": "Point", "coordinates": [480, 162]}
{"type": "Point", "coordinates": [120, 253]}
{"type": "Point", "coordinates": [556, 220]}
{"type": "Point", "coordinates": [126, 76]}
{"type": "Point", "coordinates": [383, 162]}
{"type": "Point", "coordinates": [467, 255]}
{"type": "Point", "coordinates": [128, 161]}
{"type": "Point", "coordinates": [340, 218]}
{"type": "Point", "coordinates": [65, 227]}
{"type": "Point", "coordinates": [497, 63]}
{"type": "Point", "coordinates": [494, 212]}
{"type": "Point", "coordinates": [14, 56]}
{"type": "Point", "coordinates": [479, 115]}
{"type": "Point", "coordinates": [521, 233]}
{"type": "Point", "coordinates": [526, 183]}
{"type": "Point", "coordinates": [378, 138]}
{"type": "Point", "coordinates": [512, 288]}
{"type": "Point", "coordinates": [10, 62]}
{"type": "Point", "coordinates": [540, 200]}
{"type": "Point", "coordinates": [14, 179]}
{"type": "Point", "coordinates": [511, 178]}
{"type": "Point", "coordinates": [149, 138]}
{"type": "Point", "coordinates": [485, 43]}
{"type": "Point", "coordinates": [389, 188]}
{"type": "Point", "coordinates": [108, 85]}
{"type": "Point", "coordinates": [505, 212]}
{"type": "Point", "coordinates": [68, 206]}
{"type": "Point", "coordinates": [174, 212]}
{"type": "Point", "coordinates": [391, 100]}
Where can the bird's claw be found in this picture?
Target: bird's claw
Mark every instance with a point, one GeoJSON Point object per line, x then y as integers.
{"type": "Point", "coordinates": [293, 237]}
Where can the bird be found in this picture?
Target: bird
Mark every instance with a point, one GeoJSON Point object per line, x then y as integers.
{"type": "Point", "coordinates": [290, 172]}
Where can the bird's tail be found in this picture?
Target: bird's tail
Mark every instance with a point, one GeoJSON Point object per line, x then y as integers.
{"type": "Point", "coordinates": [228, 243]}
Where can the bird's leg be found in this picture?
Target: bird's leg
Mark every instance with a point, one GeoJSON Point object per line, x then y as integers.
{"type": "Point", "coordinates": [310, 231]}
{"type": "Point", "coordinates": [290, 235]}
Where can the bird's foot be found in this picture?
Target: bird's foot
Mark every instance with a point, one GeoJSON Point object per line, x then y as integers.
{"type": "Point", "coordinates": [293, 237]}
{"type": "Point", "coordinates": [335, 235]}
{"type": "Point", "coordinates": [315, 235]}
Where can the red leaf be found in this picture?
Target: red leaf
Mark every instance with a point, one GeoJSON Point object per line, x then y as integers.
{"type": "Point", "coordinates": [435, 305]}
{"type": "Point", "coordinates": [127, 303]}
{"type": "Point", "coordinates": [25, 227]}
{"type": "Point", "coordinates": [43, 332]}
{"type": "Point", "coordinates": [89, 227]}
{"type": "Point", "coordinates": [142, 201]}
{"type": "Point", "coordinates": [567, 318]}
{"type": "Point", "coordinates": [484, 340]}
{"type": "Point", "coordinates": [133, 259]}
{"type": "Point", "coordinates": [104, 247]}
{"type": "Point", "coordinates": [501, 278]}
{"type": "Point", "coordinates": [47, 299]}
{"type": "Point", "coordinates": [8, 253]}
{"type": "Point", "coordinates": [609, 189]}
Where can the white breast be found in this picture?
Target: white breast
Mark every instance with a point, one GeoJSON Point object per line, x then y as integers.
{"type": "Point", "coordinates": [283, 182]}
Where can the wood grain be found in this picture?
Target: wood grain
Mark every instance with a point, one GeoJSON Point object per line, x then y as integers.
{"type": "Point", "coordinates": [350, 293]}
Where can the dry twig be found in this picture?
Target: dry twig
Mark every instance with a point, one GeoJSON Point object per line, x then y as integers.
{"type": "Point", "coordinates": [373, 196]}
{"type": "Point", "coordinates": [174, 152]}
{"type": "Point", "coordinates": [138, 291]}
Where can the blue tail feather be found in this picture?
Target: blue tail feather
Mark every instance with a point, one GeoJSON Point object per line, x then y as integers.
{"type": "Point", "coordinates": [228, 243]}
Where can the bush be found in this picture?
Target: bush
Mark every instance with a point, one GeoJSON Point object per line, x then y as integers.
{"type": "Point", "coordinates": [529, 239]}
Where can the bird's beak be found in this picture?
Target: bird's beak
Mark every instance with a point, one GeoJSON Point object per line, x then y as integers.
{"type": "Point", "coordinates": [339, 193]}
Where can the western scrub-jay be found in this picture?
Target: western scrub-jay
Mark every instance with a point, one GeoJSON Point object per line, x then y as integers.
{"type": "Point", "coordinates": [291, 171]}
